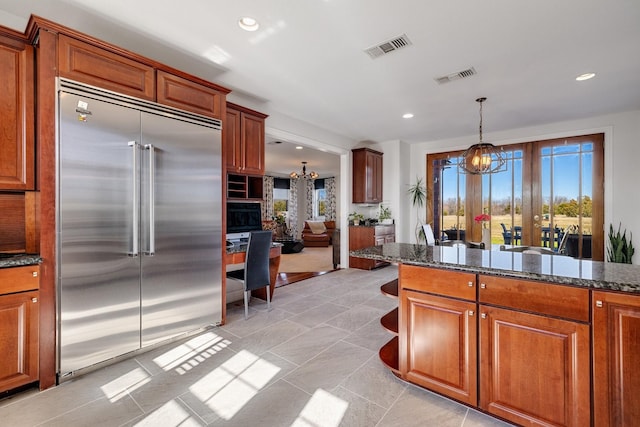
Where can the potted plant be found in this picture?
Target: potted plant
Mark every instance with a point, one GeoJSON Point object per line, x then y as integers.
{"type": "Point", "coordinates": [385, 215]}
{"type": "Point", "coordinates": [418, 194]}
{"type": "Point", "coordinates": [619, 250]}
{"type": "Point", "coordinates": [356, 218]}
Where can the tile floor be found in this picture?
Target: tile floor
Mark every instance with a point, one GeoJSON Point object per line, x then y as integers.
{"type": "Point", "coordinates": [311, 361]}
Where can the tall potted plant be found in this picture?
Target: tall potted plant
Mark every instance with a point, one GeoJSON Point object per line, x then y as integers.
{"type": "Point", "coordinates": [418, 194]}
{"type": "Point", "coordinates": [619, 250]}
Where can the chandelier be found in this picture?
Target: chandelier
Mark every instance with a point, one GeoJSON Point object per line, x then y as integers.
{"type": "Point", "coordinates": [482, 158]}
{"type": "Point", "coordinates": [311, 175]}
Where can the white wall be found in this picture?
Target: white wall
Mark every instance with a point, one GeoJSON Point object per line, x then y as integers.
{"type": "Point", "coordinates": [622, 158]}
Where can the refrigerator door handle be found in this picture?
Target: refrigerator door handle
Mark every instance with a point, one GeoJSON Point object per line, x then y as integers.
{"type": "Point", "coordinates": [136, 201]}
{"type": "Point", "coordinates": [152, 205]}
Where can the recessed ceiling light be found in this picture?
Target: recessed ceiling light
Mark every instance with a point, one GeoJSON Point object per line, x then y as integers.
{"type": "Point", "coordinates": [298, 148]}
{"type": "Point", "coordinates": [585, 76]}
{"type": "Point", "coordinates": [248, 24]}
{"type": "Point", "coordinates": [407, 116]}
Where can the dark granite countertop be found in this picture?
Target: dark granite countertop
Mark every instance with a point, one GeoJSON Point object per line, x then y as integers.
{"type": "Point", "coordinates": [17, 260]}
{"type": "Point", "coordinates": [553, 268]}
{"type": "Point", "coordinates": [239, 248]}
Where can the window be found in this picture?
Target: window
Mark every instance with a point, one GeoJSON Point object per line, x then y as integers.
{"type": "Point", "coordinates": [281, 197]}
{"type": "Point", "coordinates": [319, 200]}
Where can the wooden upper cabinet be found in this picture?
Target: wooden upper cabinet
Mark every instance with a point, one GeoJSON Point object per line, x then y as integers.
{"type": "Point", "coordinates": [367, 176]}
{"type": "Point", "coordinates": [616, 357]}
{"type": "Point", "coordinates": [243, 132]}
{"type": "Point", "coordinates": [181, 93]}
{"type": "Point", "coordinates": [99, 67]}
{"type": "Point", "coordinates": [17, 165]}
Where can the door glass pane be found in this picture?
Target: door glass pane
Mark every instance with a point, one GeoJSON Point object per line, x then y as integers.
{"type": "Point", "coordinates": [505, 201]}
{"type": "Point", "coordinates": [567, 192]}
{"type": "Point", "coordinates": [449, 200]}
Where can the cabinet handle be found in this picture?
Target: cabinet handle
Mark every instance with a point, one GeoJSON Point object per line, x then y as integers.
{"type": "Point", "coordinates": [34, 299]}
{"type": "Point", "coordinates": [599, 304]}
{"type": "Point", "coordinates": [34, 274]}
{"type": "Point", "coordinates": [471, 313]}
{"type": "Point", "coordinates": [470, 284]}
{"type": "Point", "coordinates": [483, 315]}
{"type": "Point", "coordinates": [483, 286]}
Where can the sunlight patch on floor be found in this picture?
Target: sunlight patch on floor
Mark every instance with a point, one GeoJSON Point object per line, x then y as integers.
{"type": "Point", "coordinates": [169, 414]}
{"type": "Point", "coordinates": [191, 353]}
{"type": "Point", "coordinates": [322, 410]}
{"type": "Point", "coordinates": [229, 387]}
{"type": "Point", "coordinates": [126, 383]}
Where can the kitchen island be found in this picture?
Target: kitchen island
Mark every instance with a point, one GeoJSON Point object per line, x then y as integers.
{"type": "Point", "coordinates": [533, 339]}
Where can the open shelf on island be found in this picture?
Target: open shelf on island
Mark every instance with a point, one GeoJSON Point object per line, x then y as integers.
{"type": "Point", "coordinates": [390, 321]}
{"type": "Point", "coordinates": [390, 289]}
{"type": "Point", "coordinates": [389, 355]}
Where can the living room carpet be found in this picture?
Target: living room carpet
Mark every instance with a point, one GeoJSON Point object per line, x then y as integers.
{"type": "Point", "coordinates": [310, 259]}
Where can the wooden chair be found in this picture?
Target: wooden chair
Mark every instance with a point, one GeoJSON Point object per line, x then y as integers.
{"type": "Point", "coordinates": [255, 274]}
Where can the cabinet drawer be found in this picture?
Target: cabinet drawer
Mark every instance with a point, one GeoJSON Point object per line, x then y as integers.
{"type": "Point", "coordinates": [383, 230]}
{"type": "Point", "coordinates": [442, 282]}
{"type": "Point", "coordinates": [19, 279]}
{"type": "Point", "coordinates": [538, 297]}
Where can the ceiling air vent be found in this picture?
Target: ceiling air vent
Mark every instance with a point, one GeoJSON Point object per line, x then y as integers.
{"type": "Point", "coordinates": [456, 76]}
{"type": "Point", "coordinates": [388, 46]}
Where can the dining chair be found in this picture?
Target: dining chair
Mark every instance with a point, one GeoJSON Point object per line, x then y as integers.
{"type": "Point", "coordinates": [255, 274]}
{"type": "Point", "coordinates": [506, 234]}
{"type": "Point", "coordinates": [428, 235]}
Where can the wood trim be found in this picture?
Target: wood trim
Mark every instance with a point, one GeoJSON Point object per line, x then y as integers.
{"type": "Point", "coordinates": [32, 222]}
{"type": "Point", "coordinates": [46, 55]}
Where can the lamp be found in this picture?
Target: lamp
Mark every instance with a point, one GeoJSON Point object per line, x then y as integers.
{"type": "Point", "coordinates": [482, 158]}
{"type": "Point", "coordinates": [312, 175]}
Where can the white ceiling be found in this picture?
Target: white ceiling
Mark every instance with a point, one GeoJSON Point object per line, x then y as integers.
{"type": "Point", "coordinates": [307, 60]}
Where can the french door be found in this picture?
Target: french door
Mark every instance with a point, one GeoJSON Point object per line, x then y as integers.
{"type": "Point", "coordinates": [549, 189]}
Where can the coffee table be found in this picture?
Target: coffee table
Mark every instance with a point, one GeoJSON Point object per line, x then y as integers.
{"type": "Point", "coordinates": [290, 246]}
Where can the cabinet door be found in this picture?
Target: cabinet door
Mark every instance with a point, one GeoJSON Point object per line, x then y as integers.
{"type": "Point", "coordinates": [534, 370]}
{"type": "Point", "coordinates": [616, 358]}
{"type": "Point", "coordinates": [17, 112]}
{"type": "Point", "coordinates": [367, 176]}
{"type": "Point", "coordinates": [90, 64]}
{"type": "Point", "coordinates": [438, 344]}
{"type": "Point", "coordinates": [18, 339]}
{"type": "Point", "coordinates": [374, 180]}
{"type": "Point", "coordinates": [187, 95]}
{"type": "Point", "coordinates": [252, 137]}
{"type": "Point", "coordinates": [232, 146]}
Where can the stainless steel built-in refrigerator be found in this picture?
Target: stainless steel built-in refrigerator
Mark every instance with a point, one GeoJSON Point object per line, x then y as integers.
{"type": "Point", "coordinates": [139, 225]}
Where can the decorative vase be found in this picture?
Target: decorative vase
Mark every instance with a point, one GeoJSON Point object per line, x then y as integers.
{"type": "Point", "coordinates": [486, 238]}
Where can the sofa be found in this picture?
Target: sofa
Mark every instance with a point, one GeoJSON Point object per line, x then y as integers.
{"type": "Point", "coordinates": [316, 237]}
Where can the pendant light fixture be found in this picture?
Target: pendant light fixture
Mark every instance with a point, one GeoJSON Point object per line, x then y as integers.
{"type": "Point", "coordinates": [482, 158]}
{"type": "Point", "coordinates": [312, 175]}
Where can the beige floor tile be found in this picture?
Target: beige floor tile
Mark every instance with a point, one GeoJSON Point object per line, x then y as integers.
{"type": "Point", "coordinates": [330, 368]}
{"type": "Point", "coordinates": [309, 344]}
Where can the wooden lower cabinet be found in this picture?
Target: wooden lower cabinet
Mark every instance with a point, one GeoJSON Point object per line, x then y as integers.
{"type": "Point", "coordinates": [438, 344]}
{"type": "Point", "coordinates": [18, 339]}
{"type": "Point", "coordinates": [616, 359]}
{"type": "Point", "coordinates": [19, 328]}
{"type": "Point", "coordinates": [361, 236]}
{"type": "Point", "coordinates": [534, 370]}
